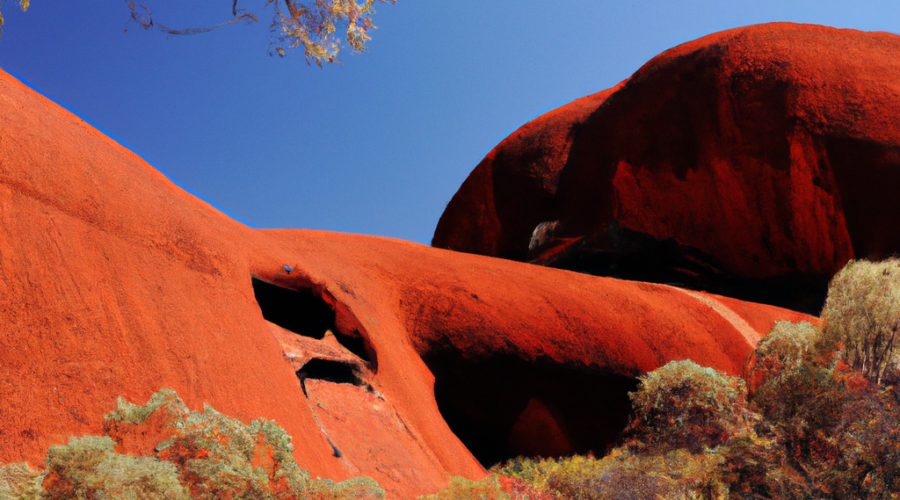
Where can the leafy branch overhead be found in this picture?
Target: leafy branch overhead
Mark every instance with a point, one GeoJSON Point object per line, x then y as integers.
{"type": "Point", "coordinates": [320, 27]}
{"type": "Point", "coordinates": [22, 3]}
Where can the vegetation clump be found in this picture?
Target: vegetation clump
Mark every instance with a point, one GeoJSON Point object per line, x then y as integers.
{"type": "Point", "coordinates": [320, 27]}
{"type": "Point", "coordinates": [23, 4]}
{"type": "Point", "coordinates": [89, 467]}
{"type": "Point", "coordinates": [622, 474]}
{"type": "Point", "coordinates": [190, 455]}
{"type": "Point", "coordinates": [684, 416]}
{"type": "Point", "coordinates": [465, 489]}
{"type": "Point", "coordinates": [19, 482]}
{"type": "Point", "coordinates": [683, 405]}
{"type": "Point", "coordinates": [862, 315]}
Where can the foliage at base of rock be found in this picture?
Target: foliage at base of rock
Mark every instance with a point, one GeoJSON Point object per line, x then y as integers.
{"type": "Point", "coordinates": [89, 468]}
{"type": "Point", "coordinates": [862, 314]}
{"type": "Point", "coordinates": [197, 455]}
{"type": "Point", "coordinates": [788, 345]}
{"type": "Point", "coordinates": [18, 481]}
{"type": "Point", "coordinates": [685, 406]}
{"type": "Point", "coordinates": [519, 489]}
{"type": "Point", "coordinates": [622, 475]}
{"type": "Point", "coordinates": [835, 431]}
{"type": "Point", "coordinates": [464, 489]}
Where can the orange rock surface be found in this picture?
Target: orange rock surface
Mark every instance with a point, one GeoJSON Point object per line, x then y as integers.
{"type": "Point", "coordinates": [115, 282]}
{"type": "Point", "coordinates": [753, 162]}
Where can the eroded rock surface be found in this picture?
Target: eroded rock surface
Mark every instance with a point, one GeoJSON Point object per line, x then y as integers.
{"type": "Point", "coordinates": [115, 282]}
{"type": "Point", "coordinates": [754, 163]}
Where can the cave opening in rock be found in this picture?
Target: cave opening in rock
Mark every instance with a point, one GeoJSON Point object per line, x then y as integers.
{"type": "Point", "coordinates": [354, 343]}
{"type": "Point", "coordinates": [502, 406]}
{"type": "Point", "coordinates": [300, 311]}
{"type": "Point", "coordinates": [305, 313]}
{"type": "Point", "coordinates": [329, 371]}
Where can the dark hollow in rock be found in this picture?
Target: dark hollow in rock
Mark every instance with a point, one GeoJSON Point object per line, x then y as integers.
{"type": "Point", "coordinates": [353, 343]}
{"type": "Point", "coordinates": [305, 313]}
{"type": "Point", "coordinates": [502, 406]}
{"type": "Point", "coordinates": [300, 311]}
{"type": "Point", "coordinates": [624, 254]}
{"type": "Point", "coordinates": [329, 371]}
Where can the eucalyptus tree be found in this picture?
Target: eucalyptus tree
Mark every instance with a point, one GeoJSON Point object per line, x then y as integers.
{"type": "Point", "coordinates": [319, 27]}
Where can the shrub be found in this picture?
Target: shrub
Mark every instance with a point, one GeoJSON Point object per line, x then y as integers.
{"type": "Point", "coordinates": [464, 489]}
{"type": "Point", "coordinates": [621, 475]}
{"type": "Point", "coordinates": [535, 472]}
{"type": "Point", "coordinates": [519, 489]}
{"type": "Point", "coordinates": [868, 465]}
{"type": "Point", "coordinates": [197, 455]}
{"type": "Point", "coordinates": [815, 427]}
{"type": "Point", "coordinates": [788, 345]}
{"type": "Point", "coordinates": [801, 402]}
{"type": "Point", "coordinates": [89, 468]}
{"type": "Point", "coordinates": [19, 482]}
{"type": "Point", "coordinates": [219, 457]}
{"type": "Point", "coordinates": [357, 488]}
{"type": "Point", "coordinates": [832, 432]}
{"type": "Point", "coordinates": [862, 314]}
{"type": "Point", "coordinates": [683, 405]}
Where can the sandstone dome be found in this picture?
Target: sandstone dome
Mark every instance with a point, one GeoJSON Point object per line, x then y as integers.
{"type": "Point", "coordinates": [753, 162]}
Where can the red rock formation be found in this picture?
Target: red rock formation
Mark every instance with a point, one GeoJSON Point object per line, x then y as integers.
{"type": "Point", "coordinates": [753, 162]}
{"type": "Point", "coordinates": [113, 281]}
{"type": "Point", "coordinates": [525, 167]}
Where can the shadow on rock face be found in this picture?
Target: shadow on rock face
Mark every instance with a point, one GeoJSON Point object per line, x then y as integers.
{"type": "Point", "coordinates": [502, 407]}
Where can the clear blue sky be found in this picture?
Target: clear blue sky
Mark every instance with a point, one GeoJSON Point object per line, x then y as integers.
{"type": "Point", "coordinates": [380, 144]}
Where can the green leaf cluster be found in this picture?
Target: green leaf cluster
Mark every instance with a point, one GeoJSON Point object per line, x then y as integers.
{"type": "Point", "coordinates": [862, 315]}
{"type": "Point", "coordinates": [23, 4]}
{"type": "Point", "coordinates": [683, 405]}
{"type": "Point", "coordinates": [313, 25]}
{"type": "Point", "coordinates": [199, 455]}
{"type": "Point", "coordinates": [320, 27]}
{"type": "Point", "coordinates": [88, 468]}
{"type": "Point", "coordinates": [464, 489]}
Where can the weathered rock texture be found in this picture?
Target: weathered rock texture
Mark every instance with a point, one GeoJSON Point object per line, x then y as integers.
{"type": "Point", "coordinates": [370, 352]}
{"type": "Point", "coordinates": [753, 162]}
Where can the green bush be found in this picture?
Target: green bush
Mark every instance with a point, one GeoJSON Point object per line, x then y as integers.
{"type": "Point", "coordinates": [836, 435]}
{"type": "Point", "coordinates": [862, 314]}
{"type": "Point", "coordinates": [684, 416]}
{"type": "Point", "coordinates": [815, 426]}
{"type": "Point", "coordinates": [219, 457]}
{"type": "Point", "coordinates": [89, 468]}
{"type": "Point", "coordinates": [200, 455]}
{"type": "Point", "coordinates": [753, 467]}
{"type": "Point", "coordinates": [622, 475]}
{"type": "Point", "coordinates": [685, 406]}
{"type": "Point", "coordinates": [464, 489]}
{"type": "Point", "coordinates": [18, 481]}
{"type": "Point", "coordinates": [788, 345]}
{"type": "Point", "coordinates": [833, 432]}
